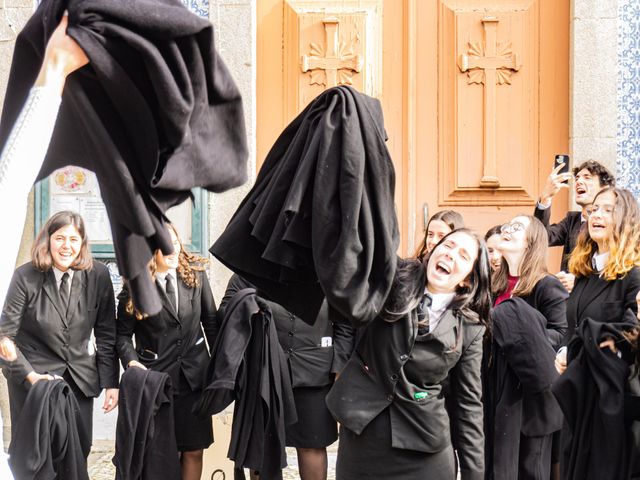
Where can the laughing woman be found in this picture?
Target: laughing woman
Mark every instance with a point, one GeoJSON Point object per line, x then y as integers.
{"type": "Point", "coordinates": [389, 399]}
{"type": "Point", "coordinates": [54, 304]}
{"type": "Point", "coordinates": [173, 342]}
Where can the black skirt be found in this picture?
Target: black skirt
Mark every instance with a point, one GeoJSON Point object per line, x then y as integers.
{"type": "Point", "coordinates": [192, 432]}
{"type": "Point", "coordinates": [316, 428]}
{"type": "Point", "coordinates": [370, 455]}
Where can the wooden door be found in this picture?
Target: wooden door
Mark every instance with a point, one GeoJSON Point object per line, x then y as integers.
{"type": "Point", "coordinates": [475, 93]}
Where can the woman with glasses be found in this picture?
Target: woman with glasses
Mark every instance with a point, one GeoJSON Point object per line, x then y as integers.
{"type": "Point", "coordinates": [597, 364]}
{"type": "Point", "coordinates": [523, 274]}
{"type": "Point", "coordinates": [388, 398]}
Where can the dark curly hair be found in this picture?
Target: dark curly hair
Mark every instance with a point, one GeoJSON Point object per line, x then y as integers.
{"type": "Point", "coordinates": [605, 177]}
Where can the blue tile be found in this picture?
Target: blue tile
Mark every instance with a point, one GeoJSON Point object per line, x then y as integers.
{"type": "Point", "coordinates": [628, 135]}
{"type": "Point", "coordinates": [199, 7]}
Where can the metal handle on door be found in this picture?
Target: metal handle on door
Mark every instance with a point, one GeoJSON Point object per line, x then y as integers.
{"type": "Point", "coordinates": [425, 216]}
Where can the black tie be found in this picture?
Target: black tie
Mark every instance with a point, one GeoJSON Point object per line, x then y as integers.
{"type": "Point", "coordinates": [171, 292]}
{"type": "Point", "coordinates": [423, 313]}
{"type": "Point", "coordinates": [64, 291]}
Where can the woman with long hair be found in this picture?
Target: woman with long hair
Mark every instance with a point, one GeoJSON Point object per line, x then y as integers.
{"type": "Point", "coordinates": [523, 273]}
{"type": "Point", "coordinates": [388, 398]}
{"type": "Point", "coordinates": [173, 342]}
{"type": "Point", "coordinates": [596, 381]}
{"type": "Point", "coordinates": [54, 304]}
{"type": "Point", "coordinates": [440, 224]}
{"type": "Point", "coordinates": [492, 239]}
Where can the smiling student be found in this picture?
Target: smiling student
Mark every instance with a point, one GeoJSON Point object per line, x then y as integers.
{"type": "Point", "coordinates": [589, 178]}
{"type": "Point", "coordinates": [440, 224]}
{"type": "Point", "coordinates": [606, 260]}
{"type": "Point", "coordinates": [173, 341]}
{"type": "Point", "coordinates": [523, 273]}
{"type": "Point", "coordinates": [388, 399]}
{"type": "Point", "coordinates": [53, 305]}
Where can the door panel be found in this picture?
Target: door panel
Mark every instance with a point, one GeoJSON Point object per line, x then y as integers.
{"type": "Point", "coordinates": [475, 93]}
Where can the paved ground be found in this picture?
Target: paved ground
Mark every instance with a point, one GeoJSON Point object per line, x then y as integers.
{"type": "Point", "coordinates": [101, 468]}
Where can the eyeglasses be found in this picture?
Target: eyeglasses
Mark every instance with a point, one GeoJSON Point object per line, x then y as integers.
{"type": "Point", "coordinates": [512, 227]}
{"type": "Point", "coordinates": [605, 210]}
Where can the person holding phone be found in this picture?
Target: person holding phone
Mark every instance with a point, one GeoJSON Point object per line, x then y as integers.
{"type": "Point", "coordinates": [173, 342]}
{"type": "Point", "coordinates": [589, 178]}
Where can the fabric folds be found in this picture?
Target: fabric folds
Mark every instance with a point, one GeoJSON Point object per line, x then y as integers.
{"type": "Point", "coordinates": [249, 367]}
{"type": "Point", "coordinates": [320, 219]}
{"type": "Point", "coordinates": [598, 437]}
{"type": "Point", "coordinates": [154, 114]}
{"type": "Point", "coordinates": [47, 444]}
{"type": "Point", "coordinates": [145, 442]}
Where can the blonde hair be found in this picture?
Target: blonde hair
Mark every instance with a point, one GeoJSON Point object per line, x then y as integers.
{"type": "Point", "coordinates": [533, 267]}
{"type": "Point", "coordinates": [624, 241]}
{"type": "Point", "coordinates": [188, 265]}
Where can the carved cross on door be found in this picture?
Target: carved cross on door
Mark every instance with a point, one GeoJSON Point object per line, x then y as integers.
{"type": "Point", "coordinates": [491, 63]}
{"type": "Point", "coordinates": [334, 64]}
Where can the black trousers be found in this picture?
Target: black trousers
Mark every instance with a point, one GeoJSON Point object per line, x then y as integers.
{"type": "Point", "coordinates": [18, 394]}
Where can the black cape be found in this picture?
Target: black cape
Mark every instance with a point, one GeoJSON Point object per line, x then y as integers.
{"type": "Point", "coordinates": [249, 366]}
{"type": "Point", "coordinates": [146, 446]}
{"type": "Point", "coordinates": [517, 377]}
{"type": "Point", "coordinates": [597, 438]}
{"type": "Point", "coordinates": [47, 445]}
{"type": "Point", "coordinates": [154, 114]}
{"type": "Point", "coordinates": [320, 219]}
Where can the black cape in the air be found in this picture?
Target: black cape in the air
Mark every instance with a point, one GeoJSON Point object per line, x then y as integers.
{"type": "Point", "coordinates": [598, 441]}
{"type": "Point", "coordinates": [320, 219]}
{"type": "Point", "coordinates": [154, 114]}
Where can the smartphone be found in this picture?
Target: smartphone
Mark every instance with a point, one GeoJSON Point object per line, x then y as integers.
{"type": "Point", "coordinates": [559, 160]}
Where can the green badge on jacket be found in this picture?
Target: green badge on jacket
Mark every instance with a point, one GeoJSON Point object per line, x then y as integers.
{"type": "Point", "coordinates": [420, 395]}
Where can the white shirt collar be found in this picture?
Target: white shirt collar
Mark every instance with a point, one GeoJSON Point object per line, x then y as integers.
{"type": "Point", "coordinates": [439, 301]}
{"type": "Point", "coordinates": [163, 275]}
{"type": "Point", "coordinates": [59, 273]}
{"type": "Point", "coordinates": [599, 261]}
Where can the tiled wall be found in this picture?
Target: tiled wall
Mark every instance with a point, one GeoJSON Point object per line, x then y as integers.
{"type": "Point", "coordinates": [628, 134]}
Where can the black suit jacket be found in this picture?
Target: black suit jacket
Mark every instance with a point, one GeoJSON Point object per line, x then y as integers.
{"type": "Point", "coordinates": [47, 340]}
{"type": "Point", "coordinates": [563, 233]}
{"type": "Point", "coordinates": [374, 376]}
{"type": "Point", "coordinates": [549, 297]}
{"type": "Point", "coordinates": [176, 338]}
{"type": "Point", "coordinates": [601, 300]}
{"type": "Point", "coordinates": [314, 352]}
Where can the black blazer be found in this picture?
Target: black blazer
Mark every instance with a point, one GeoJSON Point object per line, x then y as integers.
{"type": "Point", "coordinates": [564, 233]}
{"type": "Point", "coordinates": [47, 340]}
{"type": "Point", "coordinates": [374, 376]}
{"type": "Point", "coordinates": [601, 300]}
{"type": "Point", "coordinates": [549, 297]}
{"type": "Point", "coordinates": [314, 352]}
{"type": "Point", "coordinates": [172, 342]}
